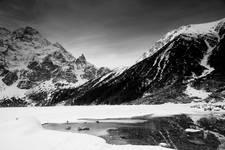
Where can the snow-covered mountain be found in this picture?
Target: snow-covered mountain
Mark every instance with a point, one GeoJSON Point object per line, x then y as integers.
{"type": "Point", "coordinates": [31, 67]}
{"type": "Point", "coordinates": [187, 64]}
{"type": "Point", "coordinates": [193, 30]}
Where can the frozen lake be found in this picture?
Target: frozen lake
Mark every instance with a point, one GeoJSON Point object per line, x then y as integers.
{"type": "Point", "coordinates": [176, 132]}
{"type": "Point", "coordinates": [123, 127]}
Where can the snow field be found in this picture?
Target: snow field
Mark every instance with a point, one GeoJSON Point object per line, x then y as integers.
{"type": "Point", "coordinates": [20, 128]}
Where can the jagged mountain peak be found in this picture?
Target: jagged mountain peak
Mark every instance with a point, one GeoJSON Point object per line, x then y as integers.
{"type": "Point", "coordinates": [82, 58]}
{"type": "Point", "coordinates": [28, 35]}
{"type": "Point", "coordinates": [81, 61]}
{"type": "Point", "coordinates": [26, 30]}
{"type": "Point", "coordinates": [31, 64]}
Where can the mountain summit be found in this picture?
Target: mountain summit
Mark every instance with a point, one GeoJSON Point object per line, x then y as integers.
{"type": "Point", "coordinates": [31, 67]}
{"type": "Point", "coordinates": [82, 58]}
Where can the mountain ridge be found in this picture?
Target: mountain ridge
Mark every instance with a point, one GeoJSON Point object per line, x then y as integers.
{"type": "Point", "coordinates": [28, 61]}
{"type": "Point", "coordinates": [187, 67]}
{"type": "Point", "coordinates": [194, 29]}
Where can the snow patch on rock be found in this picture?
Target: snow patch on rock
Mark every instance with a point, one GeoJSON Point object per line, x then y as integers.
{"type": "Point", "coordinates": [192, 130]}
{"type": "Point", "coordinates": [192, 92]}
{"type": "Point", "coordinates": [204, 61]}
{"type": "Point", "coordinates": [11, 91]}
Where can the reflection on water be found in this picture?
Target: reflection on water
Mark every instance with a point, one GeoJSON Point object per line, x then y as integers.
{"type": "Point", "coordinates": [178, 131]}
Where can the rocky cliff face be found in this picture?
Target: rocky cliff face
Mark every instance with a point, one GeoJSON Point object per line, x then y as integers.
{"type": "Point", "coordinates": [186, 65]}
{"type": "Point", "coordinates": [31, 67]}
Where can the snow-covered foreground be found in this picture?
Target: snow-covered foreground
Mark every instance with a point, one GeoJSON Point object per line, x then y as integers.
{"type": "Point", "coordinates": [27, 134]}
{"type": "Point", "coordinates": [20, 128]}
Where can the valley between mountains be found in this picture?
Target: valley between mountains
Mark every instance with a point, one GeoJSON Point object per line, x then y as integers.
{"type": "Point", "coordinates": [186, 65]}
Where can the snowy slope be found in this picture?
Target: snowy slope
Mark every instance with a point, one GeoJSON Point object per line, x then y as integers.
{"type": "Point", "coordinates": [193, 30]}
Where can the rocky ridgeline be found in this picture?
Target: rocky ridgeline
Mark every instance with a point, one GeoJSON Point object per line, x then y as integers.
{"type": "Point", "coordinates": [31, 67]}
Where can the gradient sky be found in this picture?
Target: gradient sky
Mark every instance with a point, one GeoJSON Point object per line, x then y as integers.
{"type": "Point", "coordinates": [110, 33]}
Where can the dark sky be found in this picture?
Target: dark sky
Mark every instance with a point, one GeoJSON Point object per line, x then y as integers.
{"type": "Point", "coordinates": [109, 32]}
